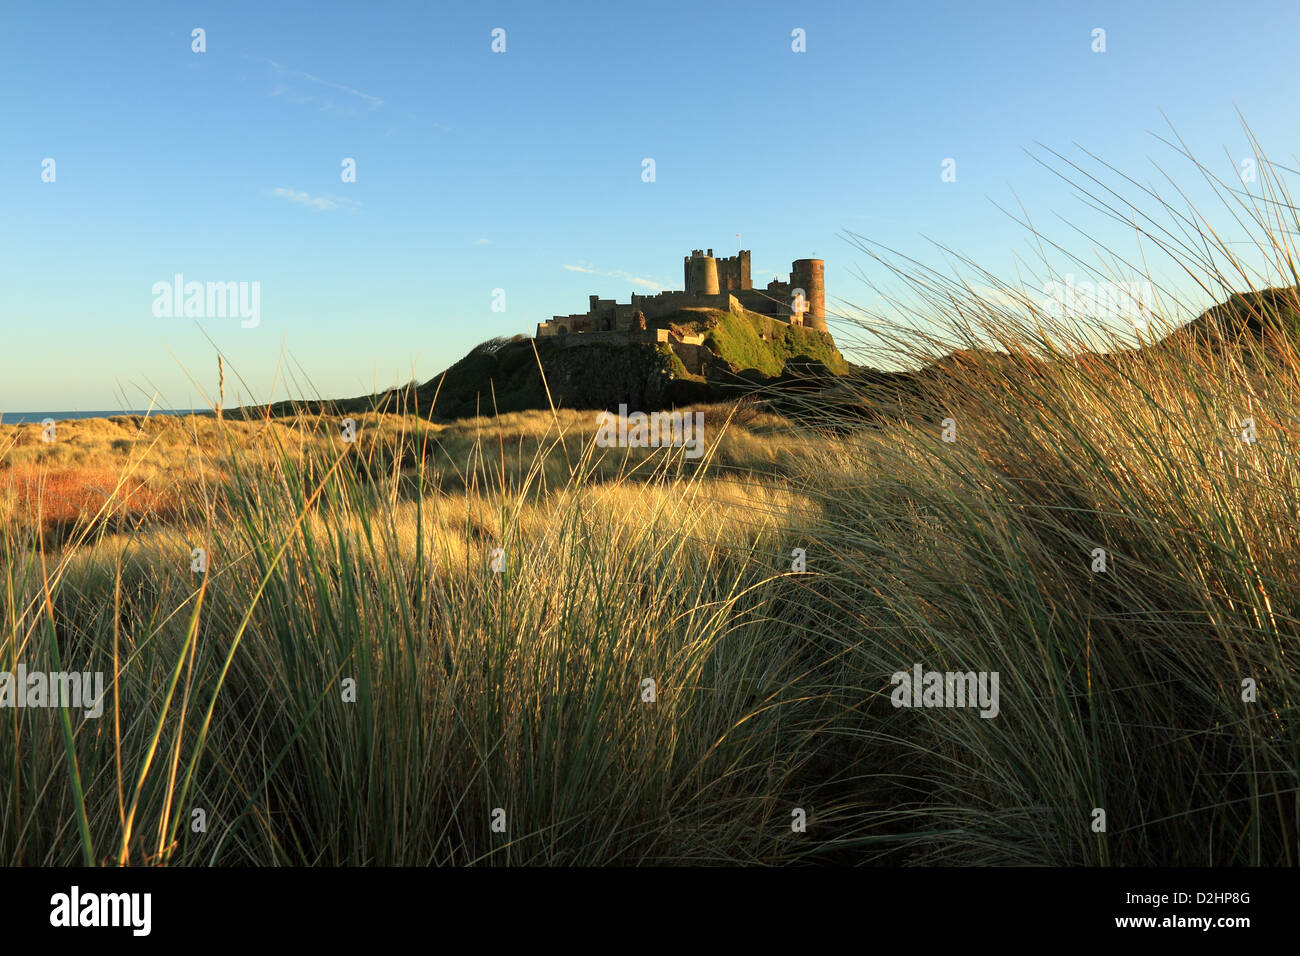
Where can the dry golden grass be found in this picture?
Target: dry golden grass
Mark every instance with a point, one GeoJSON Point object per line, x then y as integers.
{"type": "Point", "coordinates": [166, 469]}
{"type": "Point", "coordinates": [1162, 689]}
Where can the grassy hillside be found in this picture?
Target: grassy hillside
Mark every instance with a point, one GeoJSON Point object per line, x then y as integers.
{"type": "Point", "coordinates": [1268, 316]}
{"type": "Point", "coordinates": [751, 341]}
{"type": "Point", "coordinates": [501, 376]}
{"type": "Point", "coordinates": [517, 374]}
{"type": "Point", "coordinates": [511, 375]}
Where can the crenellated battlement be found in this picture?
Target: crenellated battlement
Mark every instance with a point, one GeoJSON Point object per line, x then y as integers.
{"type": "Point", "coordinates": [710, 282]}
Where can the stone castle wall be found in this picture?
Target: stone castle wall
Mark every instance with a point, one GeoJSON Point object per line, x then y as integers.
{"type": "Point", "coordinates": [711, 283]}
{"type": "Point", "coordinates": [695, 356]}
{"type": "Point", "coordinates": [628, 337]}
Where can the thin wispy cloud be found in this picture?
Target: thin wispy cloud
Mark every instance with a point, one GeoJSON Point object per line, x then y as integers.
{"type": "Point", "coordinates": [319, 203]}
{"type": "Point", "coordinates": [306, 89]}
{"type": "Point", "coordinates": [374, 102]}
{"type": "Point", "coordinates": [616, 274]}
{"type": "Point", "coordinates": [482, 242]}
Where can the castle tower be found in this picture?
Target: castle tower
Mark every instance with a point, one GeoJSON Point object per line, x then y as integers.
{"type": "Point", "coordinates": [810, 275]}
{"type": "Point", "coordinates": [733, 273]}
{"type": "Point", "coordinates": [701, 273]}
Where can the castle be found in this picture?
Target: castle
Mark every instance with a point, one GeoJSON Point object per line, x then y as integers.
{"type": "Point", "coordinates": [711, 283]}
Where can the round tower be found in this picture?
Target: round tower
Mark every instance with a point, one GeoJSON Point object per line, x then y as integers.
{"type": "Point", "coordinates": [702, 273]}
{"type": "Point", "coordinates": [810, 275]}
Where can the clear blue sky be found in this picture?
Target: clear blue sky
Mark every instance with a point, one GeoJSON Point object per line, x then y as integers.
{"type": "Point", "coordinates": [478, 171]}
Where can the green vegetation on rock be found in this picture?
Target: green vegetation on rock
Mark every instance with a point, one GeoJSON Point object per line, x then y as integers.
{"type": "Point", "coordinates": [751, 341]}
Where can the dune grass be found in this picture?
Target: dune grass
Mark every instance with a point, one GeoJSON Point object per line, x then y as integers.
{"type": "Point", "coordinates": [432, 646]}
{"type": "Point", "coordinates": [474, 689]}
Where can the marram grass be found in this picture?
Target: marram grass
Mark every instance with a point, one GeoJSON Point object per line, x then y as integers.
{"type": "Point", "coordinates": [353, 681]}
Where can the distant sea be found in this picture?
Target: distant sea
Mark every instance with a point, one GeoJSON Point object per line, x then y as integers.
{"type": "Point", "coordinates": [23, 418]}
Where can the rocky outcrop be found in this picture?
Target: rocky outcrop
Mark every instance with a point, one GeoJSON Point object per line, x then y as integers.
{"type": "Point", "coordinates": [598, 376]}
